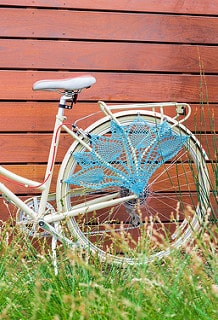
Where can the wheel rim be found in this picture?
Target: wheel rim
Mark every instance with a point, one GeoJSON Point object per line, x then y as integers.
{"type": "Point", "coordinates": [164, 216]}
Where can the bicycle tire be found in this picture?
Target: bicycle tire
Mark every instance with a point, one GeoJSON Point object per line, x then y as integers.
{"type": "Point", "coordinates": [167, 215]}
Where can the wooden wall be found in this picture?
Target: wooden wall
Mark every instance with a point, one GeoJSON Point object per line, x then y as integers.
{"type": "Point", "coordinates": [138, 50]}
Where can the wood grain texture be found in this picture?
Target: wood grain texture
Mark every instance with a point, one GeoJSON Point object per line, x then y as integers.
{"type": "Point", "coordinates": [139, 51]}
{"type": "Point", "coordinates": [34, 148]}
{"type": "Point", "coordinates": [86, 55]}
{"type": "Point", "coordinates": [31, 171]}
{"type": "Point", "coordinates": [40, 116]}
{"type": "Point", "coordinates": [37, 172]}
{"type": "Point", "coordinates": [10, 210]}
{"type": "Point", "coordinates": [111, 86]}
{"type": "Point", "coordinates": [172, 6]}
{"type": "Point", "coordinates": [37, 23]}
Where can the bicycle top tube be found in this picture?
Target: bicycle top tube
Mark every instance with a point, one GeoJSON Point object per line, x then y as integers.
{"type": "Point", "coordinates": [69, 84]}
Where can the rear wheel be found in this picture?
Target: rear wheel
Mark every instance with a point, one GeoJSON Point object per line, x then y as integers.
{"type": "Point", "coordinates": [169, 205]}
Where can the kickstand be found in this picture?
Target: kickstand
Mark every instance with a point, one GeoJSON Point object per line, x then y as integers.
{"type": "Point", "coordinates": [54, 254]}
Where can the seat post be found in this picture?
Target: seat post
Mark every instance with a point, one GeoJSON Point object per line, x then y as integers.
{"type": "Point", "coordinates": [53, 148]}
{"type": "Point", "coordinates": [68, 96]}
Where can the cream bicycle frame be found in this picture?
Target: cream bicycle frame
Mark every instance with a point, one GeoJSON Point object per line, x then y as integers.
{"type": "Point", "coordinates": [45, 187]}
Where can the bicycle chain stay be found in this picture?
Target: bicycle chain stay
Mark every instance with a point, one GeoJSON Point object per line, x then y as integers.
{"type": "Point", "coordinates": [54, 233]}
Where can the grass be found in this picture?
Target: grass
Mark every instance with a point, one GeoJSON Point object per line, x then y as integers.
{"type": "Point", "coordinates": [182, 286]}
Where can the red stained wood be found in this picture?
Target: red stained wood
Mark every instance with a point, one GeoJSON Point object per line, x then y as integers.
{"type": "Point", "coordinates": [40, 116]}
{"type": "Point", "coordinates": [32, 171]}
{"type": "Point", "coordinates": [36, 23]}
{"type": "Point", "coordinates": [37, 172]}
{"type": "Point", "coordinates": [18, 54]}
{"type": "Point", "coordinates": [128, 87]}
{"type": "Point", "coordinates": [34, 148]}
{"type": "Point", "coordinates": [173, 6]}
{"type": "Point", "coordinates": [139, 51]}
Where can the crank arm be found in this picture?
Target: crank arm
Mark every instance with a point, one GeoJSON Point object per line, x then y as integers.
{"type": "Point", "coordinates": [54, 233]}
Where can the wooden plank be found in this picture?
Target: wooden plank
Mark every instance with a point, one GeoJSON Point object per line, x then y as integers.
{"type": "Point", "coordinates": [40, 116]}
{"type": "Point", "coordinates": [5, 214]}
{"type": "Point", "coordinates": [128, 87]}
{"type": "Point", "coordinates": [34, 148]}
{"type": "Point", "coordinates": [117, 49]}
{"type": "Point", "coordinates": [173, 6]}
{"type": "Point", "coordinates": [37, 172]}
{"type": "Point", "coordinates": [164, 207]}
{"type": "Point", "coordinates": [36, 23]}
{"type": "Point", "coordinates": [81, 55]}
{"type": "Point", "coordinates": [34, 172]}
{"type": "Point", "coordinates": [8, 210]}
{"type": "Point", "coordinates": [27, 116]}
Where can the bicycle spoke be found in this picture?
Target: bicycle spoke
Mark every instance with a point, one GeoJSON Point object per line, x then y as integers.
{"type": "Point", "coordinates": [157, 218]}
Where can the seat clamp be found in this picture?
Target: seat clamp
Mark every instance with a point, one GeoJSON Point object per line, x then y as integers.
{"type": "Point", "coordinates": [64, 106]}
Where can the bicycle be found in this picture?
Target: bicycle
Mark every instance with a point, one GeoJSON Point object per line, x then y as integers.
{"type": "Point", "coordinates": [132, 187]}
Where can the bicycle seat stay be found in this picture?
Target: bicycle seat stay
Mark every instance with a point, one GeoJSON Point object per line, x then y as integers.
{"type": "Point", "coordinates": [69, 84]}
{"type": "Point", "coordinates": [126, 182]}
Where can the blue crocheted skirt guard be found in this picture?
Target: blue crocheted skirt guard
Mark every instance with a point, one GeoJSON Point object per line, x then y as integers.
{"type": "Point", "coordinates": [128, 157]}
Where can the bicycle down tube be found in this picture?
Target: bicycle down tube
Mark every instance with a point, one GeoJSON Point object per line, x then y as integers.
{"type": "Point", "coordinates": [45, 186]}
{"type": "Point", "coordinates": [126, 182]}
